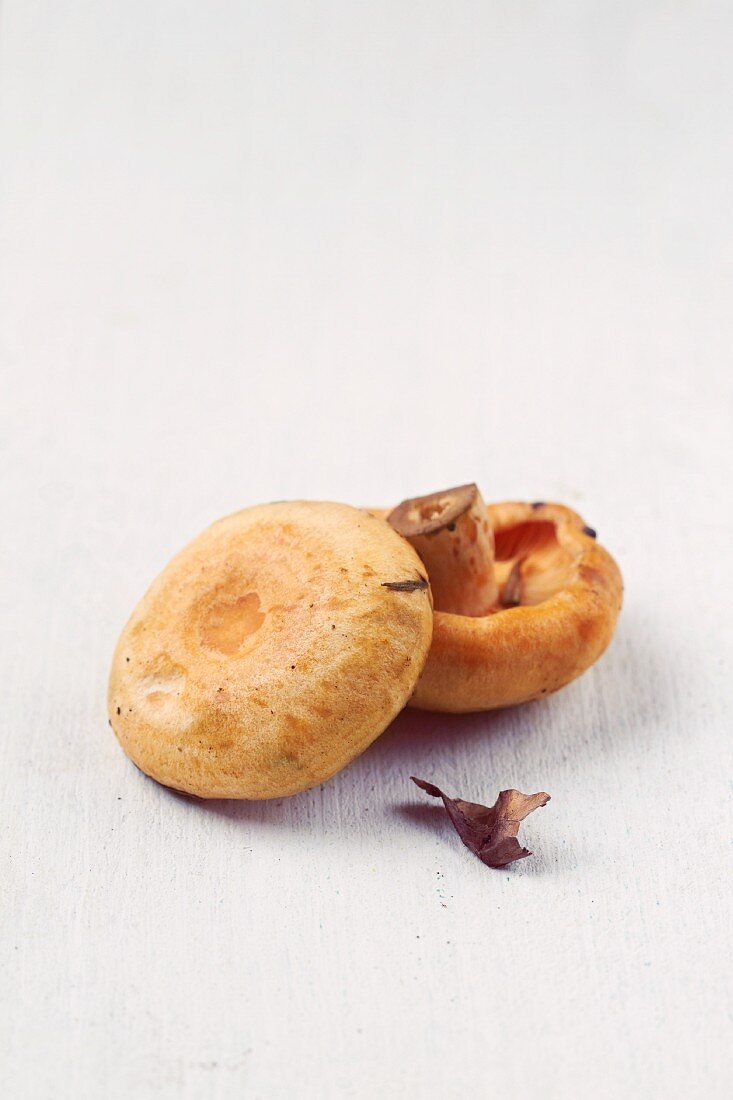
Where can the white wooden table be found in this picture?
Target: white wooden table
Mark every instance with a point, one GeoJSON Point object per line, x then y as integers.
{"type": "Point", "coordinates": [253, 251]}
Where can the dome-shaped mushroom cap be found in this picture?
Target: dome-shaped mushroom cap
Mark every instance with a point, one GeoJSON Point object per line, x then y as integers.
{"type": "Point", "coordinates": [271, 651]}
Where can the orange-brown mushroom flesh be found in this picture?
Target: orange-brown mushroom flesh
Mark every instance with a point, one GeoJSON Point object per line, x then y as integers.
{"type": "Point", "coordinates": [559, 595]}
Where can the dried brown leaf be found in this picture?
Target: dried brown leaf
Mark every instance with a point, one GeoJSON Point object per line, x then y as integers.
{"type": "Point", "coordinates": [490, 832]}
{"type": "Point", "coordinates": [406, 586]}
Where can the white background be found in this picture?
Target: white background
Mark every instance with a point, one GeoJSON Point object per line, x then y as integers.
{"type": "Point", "coordinates": [357, 251]}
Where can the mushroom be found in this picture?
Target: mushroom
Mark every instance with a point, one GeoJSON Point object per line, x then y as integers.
{"type": "Point", "coordinates": [271, 651]}
{"type": "Point", "coordinates": [558, 595]}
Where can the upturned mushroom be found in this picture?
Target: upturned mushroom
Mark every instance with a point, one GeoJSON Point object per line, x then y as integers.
{"type": "Point", "coordinates": [271, 651]}
{"type": "Point", "coordinates": [525, 598]}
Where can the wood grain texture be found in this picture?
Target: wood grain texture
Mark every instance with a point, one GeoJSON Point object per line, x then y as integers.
{"type": "Point", "coordinates": [358, 252]}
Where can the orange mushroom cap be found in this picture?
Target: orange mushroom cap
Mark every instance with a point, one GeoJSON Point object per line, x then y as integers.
{"type": "Point", "coordinates": [271, 651]}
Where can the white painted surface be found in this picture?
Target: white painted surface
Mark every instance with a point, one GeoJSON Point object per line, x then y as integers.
{"type": "Point", "coordinates": [354, 251]}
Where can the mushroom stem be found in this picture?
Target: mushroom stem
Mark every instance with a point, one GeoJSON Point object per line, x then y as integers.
{"type": "Point", "coordinates": [452, 533]}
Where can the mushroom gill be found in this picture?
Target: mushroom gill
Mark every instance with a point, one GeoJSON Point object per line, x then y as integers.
{"type": "Point", "coordinates": [531, 553]}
